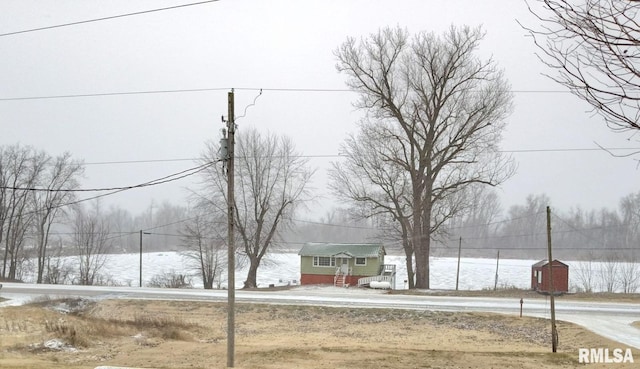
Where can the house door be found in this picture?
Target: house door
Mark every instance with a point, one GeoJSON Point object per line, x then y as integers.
{"type": "Point", "coordinates": [344, 266]}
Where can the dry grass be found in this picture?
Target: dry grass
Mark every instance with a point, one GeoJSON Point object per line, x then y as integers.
{"type": "Point", "coordinates": [159, 334]}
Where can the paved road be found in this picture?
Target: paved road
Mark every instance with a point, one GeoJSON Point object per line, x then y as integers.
{"type": "Point", "coordinates": [612, 320]}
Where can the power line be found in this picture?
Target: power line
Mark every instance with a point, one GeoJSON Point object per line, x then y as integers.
{"type": "Point", "coordinates": [151, 92]}
{"type": "Point", "coordinates": [329, 156]}
{"type": "Point", "coordinates": [570, 149]}
{"type": "Point", "coordinates": [140, 161]}
{"type": "Point", "coordinates": [170, 178]}
{"type": "Point", "coordinates": [209, 89]}
{"type": "Point", "coordinates": [526, 216]}
{"type": "Point", "coordinates": [105, 18]}
{"type": "Point", "coordinates": [332, 224]}
{"type": "Point", "coordinates": [115, 190]}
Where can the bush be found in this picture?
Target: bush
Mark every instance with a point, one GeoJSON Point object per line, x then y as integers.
{"type": "Point", "coordinates": [170, 280]}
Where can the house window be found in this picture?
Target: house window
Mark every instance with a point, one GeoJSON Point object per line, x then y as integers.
{"type": "Point", "coordinates": [361, 261]}
{"type": "Point", "coordinates": [324, 261]}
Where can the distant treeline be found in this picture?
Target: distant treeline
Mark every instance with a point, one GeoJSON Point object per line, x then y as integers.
{"type": "Point", "coordinates": [484, 228]}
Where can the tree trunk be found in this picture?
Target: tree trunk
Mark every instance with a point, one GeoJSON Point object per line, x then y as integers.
{"type": "Point", "coordinates": [13, 263]}
{"type": "Point", "coordinates": [422, 244]}
{"type": "Point", "coordinates": [251, 281]}
{"type": "Point", "coordinates": [422, 267]}
{"type": "Point", "coordinates": [41, 256]}
{"type": "Point", "coordinates": [410, 272]}
{"type": "Point", "coordinates": [207, 281]}
{"type": "Point", "coordinates": [422, 237]}
{"type": "Point", "coordinates": [422, 261]}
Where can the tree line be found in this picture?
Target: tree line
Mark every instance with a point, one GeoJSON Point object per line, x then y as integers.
{"type": "Point", "coordinates": [38, 227]}
{"type": "Point", "coordinates": [521, 230]}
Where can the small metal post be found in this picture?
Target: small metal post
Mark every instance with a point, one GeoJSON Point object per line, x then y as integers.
{"type": "Point", "coordinates": [521, 302]}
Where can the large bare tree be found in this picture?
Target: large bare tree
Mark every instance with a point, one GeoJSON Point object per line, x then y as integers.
{"type": "Point", "coordinates": [592, 46]}
{"type": "Point", "coordinates": [372, 176]}
{"type": "Point", "coordinates": [34, 186]}
{"type": "Point", "coordinates": [20, 168]}
{"type": "Point", "coordinates": [59, 178]}
{"type": "Point", "coordinates": [272, 181]}
{"type": "Point", "coordinates": [434, 117]}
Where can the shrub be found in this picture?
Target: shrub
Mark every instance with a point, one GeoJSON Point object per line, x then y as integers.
{"type": "Point", "coordinates": [170, 280]}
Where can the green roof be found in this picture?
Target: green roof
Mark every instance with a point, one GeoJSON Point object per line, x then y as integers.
{"type": "Point", "coordinates": [356, 250]}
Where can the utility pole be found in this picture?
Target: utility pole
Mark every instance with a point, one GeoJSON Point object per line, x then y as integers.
{"type": "Point", "coordinates": [141, 233]}
{"type": "Point", "coordinates": [458, 272]}
{"type": "Point", "coordinates": [554, 332]}
{"type": "Point", "coordinates": [231, 280]}
{"type": "Point", "coordinates": [495, 285]}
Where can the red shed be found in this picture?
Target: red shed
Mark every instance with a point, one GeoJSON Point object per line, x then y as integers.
{"type": "Point", "coordinates": [540, 276]}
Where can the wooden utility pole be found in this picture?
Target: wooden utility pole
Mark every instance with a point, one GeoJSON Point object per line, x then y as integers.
{"type": "Point", "coordinates": [554, 332]}
{"type": "Point", "coordinates": [141, 233]}
{"type": "Point", "coordinates": [231, 278]}
{"type": "Point", "coordinates": [140, 258]}
{"type": "Point", "coordinates": [458, 272]}
{"type": "Point", "coordinates": [495, 285]}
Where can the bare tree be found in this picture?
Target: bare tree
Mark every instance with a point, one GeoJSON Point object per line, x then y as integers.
{"type": "Point", "coordinates": [21, 169]}
{"type": "Point", "coordinates": [593, 47]}
{"type": "Point", "coordinates": [608, 273]}
{"type": "Point", "coordinates": [59, 177]}
{"type": "Point", "coordinates": [33, 187]}
{"type": "Point", "coordinates": [91, 241]}
{"type": "Point", "coordinates": [585, 274]}
{"type": "Point", "coordinates": [205, 245]}
{"type": "Point", "coordinates": [435, 114]}
{"type": "Point", "coordinates": [630, 215]}
{"type": "Point", "coordinates": [629, 276]}
{"type": "Point", "coordinates": [271, 183]}
{"type": "Point", "coordinates": [368, 177]}
{"type": "Point", "coordinates": [58, 270]}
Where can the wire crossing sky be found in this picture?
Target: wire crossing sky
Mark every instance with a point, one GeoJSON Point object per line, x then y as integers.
{"type": "Point", "coordinates": [136, 90]}
{"type": "Point", "coordinates": [104, 18]}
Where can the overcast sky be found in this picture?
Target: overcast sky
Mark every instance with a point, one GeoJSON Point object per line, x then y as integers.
{"type": "Point", "coordinates": [273, 45]}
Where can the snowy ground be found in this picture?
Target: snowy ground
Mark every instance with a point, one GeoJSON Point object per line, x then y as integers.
{"type": "Point", "coordinates": [284, 268]}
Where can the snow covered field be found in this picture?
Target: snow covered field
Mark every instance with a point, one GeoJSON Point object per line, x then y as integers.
{"type": "Point", "coordinates": [284, 268]}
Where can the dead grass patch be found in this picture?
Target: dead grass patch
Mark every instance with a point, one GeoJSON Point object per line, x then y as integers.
{"type": "Point", "coordinates": [71, 321]}
{"type": "Point", "coordinates": [192, 335]}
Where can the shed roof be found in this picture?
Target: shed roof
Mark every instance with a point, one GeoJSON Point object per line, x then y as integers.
{"type": "Point", "coordinates": [544, 262]}
{"type": "Point", "coordinates": [356, 250]}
